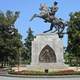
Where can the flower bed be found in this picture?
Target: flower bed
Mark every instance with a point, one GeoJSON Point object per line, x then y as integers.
{"type": "Point", "coordinates": [63, 72]}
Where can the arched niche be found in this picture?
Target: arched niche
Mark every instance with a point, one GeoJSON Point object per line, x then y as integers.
{"type": "Point", "coordinates": [47, 55]}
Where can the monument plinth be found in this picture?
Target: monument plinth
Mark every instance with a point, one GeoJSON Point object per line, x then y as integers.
{"type": "Point", "coordinates": [47, 51]}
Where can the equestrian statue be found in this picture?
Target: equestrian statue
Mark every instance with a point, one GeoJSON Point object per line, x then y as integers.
{"type": "Point", "coordinates": [48, 15]}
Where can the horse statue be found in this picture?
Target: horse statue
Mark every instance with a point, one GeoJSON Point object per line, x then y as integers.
{"type": "Point", "coordinates": [48, 15]}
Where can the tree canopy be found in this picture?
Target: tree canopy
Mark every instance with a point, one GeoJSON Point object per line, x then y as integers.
{"type": "Point", "coordinates": [74, 35]}
{"type": "Point", "coordinates": [27, 44]}
{"type": "Point", "coordinates": [10, 39]}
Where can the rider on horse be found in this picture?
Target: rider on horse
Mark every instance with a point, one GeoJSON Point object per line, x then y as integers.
{"type": "Point", "coordinates": [53, 10]}
{"type": "Point", "coordinates": [51, 15]}
{"type": "Point", "coordinates": [48, 15]}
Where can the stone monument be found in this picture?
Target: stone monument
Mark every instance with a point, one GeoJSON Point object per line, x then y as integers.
{"type": "Point", "coordinates": [47, 48]}
{"type": "Point", "coordinates": [47, 51]}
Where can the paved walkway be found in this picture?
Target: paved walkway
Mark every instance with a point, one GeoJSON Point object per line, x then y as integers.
{"type": "Point", "coordinates": [40, 78]}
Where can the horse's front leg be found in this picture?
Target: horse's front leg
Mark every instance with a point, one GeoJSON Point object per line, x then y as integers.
{"type": "Point", "coordinates": [34, 16]}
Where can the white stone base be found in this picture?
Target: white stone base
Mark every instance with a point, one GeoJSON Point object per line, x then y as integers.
{"type": "Point", "coordinates": [50, 68]}
{"type": "Point", "coordinates": [55, 43]}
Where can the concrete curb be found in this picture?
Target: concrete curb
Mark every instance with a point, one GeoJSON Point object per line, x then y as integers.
{"type": "Point", "coordinates": [32, 76]}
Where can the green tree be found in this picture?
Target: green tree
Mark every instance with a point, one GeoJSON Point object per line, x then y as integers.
{"type": "Point", "coordinates": [27, 44]}
{"type": "Point", "coordinates": [8, 18]}
{"type": "Point", "coordinates": [10, 39]}
{"type": "Point", "coordinates": [74, 37]}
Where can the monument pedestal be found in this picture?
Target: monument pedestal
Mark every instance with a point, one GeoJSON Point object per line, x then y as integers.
{"type": "Point", "coordinates": [47, 52]}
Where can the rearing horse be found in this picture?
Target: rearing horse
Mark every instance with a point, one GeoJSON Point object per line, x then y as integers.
{"type": "Point", "coordinates": [58, 24]}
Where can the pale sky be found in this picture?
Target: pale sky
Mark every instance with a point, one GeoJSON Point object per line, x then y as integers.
{"type": "Point", "coordinates": [28, 7]}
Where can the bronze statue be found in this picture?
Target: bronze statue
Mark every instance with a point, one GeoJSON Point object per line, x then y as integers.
{"type": "Point", "coordinates": [48, 14]}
